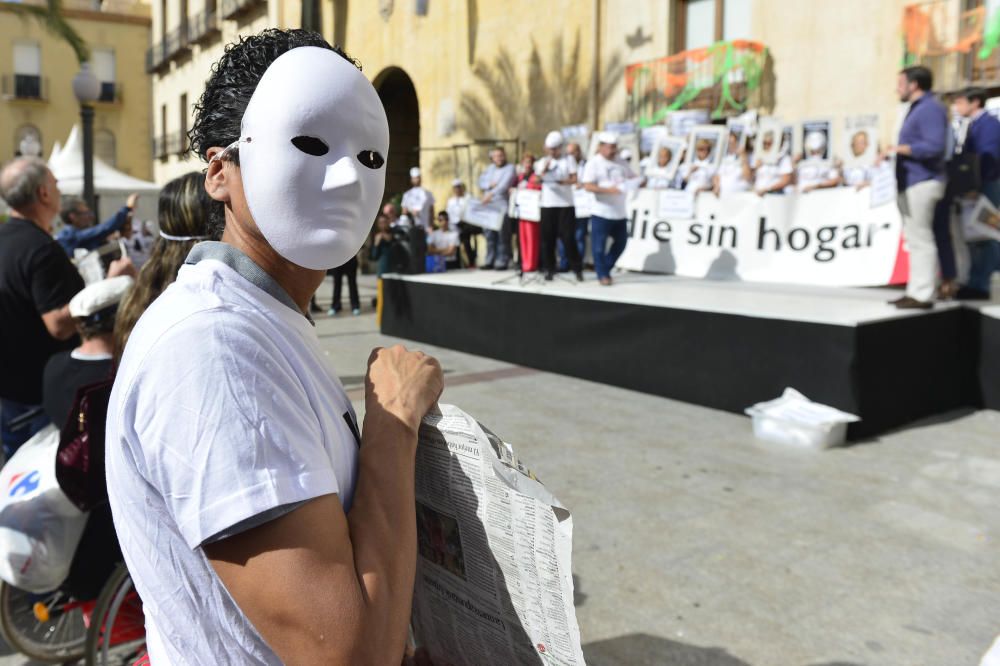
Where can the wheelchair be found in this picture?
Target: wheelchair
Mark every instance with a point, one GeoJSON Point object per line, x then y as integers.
{"type": "Point", "coordinates": [95, 615]}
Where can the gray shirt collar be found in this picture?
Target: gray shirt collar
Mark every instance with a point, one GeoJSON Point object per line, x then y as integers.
{"type": "Point", "coordinates": [246, 267]}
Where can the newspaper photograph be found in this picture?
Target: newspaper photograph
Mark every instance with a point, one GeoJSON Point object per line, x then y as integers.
{"type": "Point", "coordinates": [494, 580]}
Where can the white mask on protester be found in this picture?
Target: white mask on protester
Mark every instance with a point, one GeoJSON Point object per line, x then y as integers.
{"type": "Point", "coordinates": [312, 156]}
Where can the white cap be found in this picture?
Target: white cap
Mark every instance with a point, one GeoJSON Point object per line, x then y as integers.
{"type": "Point", "coordinates": [99, 296]}
{"type": "Point", "coordinates": [608, 137]}
{"type": "Point", "coordinates": [457, 182]}
{"type": "Point", "coordinates": [625, 154]}
{"type": "Point", "coordinates": [553, 139]}
{"type": "Point", "coordinates": [415, 172]}
{"type": "Point", "coordinates": [815, 141]}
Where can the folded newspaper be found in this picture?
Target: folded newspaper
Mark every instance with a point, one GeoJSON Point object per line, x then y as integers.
{"type": "Point", "coordinates": [494, 579]}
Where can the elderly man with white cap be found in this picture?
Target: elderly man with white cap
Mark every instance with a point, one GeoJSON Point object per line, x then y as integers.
{"type": "Point", "coordinates": [418, 202]}
{"type": "Point", "coordinates": [814, 171]}
{"type": "Point", "coordinates": [260, 524]}
{"type": "Point", "coordinates": [94, 311]}
{"type": "Point", "coordinates": [495, 182]}
{"type": "Point", "coordinates": [607, 176]}
{"type": "Point", "coordinates": [557, 172]}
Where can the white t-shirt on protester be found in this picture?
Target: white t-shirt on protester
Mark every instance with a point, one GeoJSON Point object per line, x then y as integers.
{"type": "Point", "coordinates": [854, 176]}
{"type": "Point", "coordinates": [551, 170]}
{"type": "Point", "coordinates": [767, 176]}
{"type": "Point", "coordinates": [731, 178]}
{"type": "Point", "coordinates": [698, 175]}
{"type": "Point", "coordinates": [810, 173]}
{"type": "Point", "coordinates": [421, 201]}
{"type": "Point", "coordinates": [224, 414]}
{"type": "Point", "coordinates": [442, 240]}
{"type": "Point", "coordinates": [608, 173]}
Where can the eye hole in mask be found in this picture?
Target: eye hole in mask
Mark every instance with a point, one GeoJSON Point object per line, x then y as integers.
{"type": "Point", "coordinates": [371, 159]}
{"type": "Point", "coordinates": [311, 145]}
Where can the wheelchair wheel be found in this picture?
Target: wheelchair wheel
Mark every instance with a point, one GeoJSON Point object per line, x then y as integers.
{"type": "Point", "coordinates": [49, 627]}
{"type": "Point", "coordinates": [117, 633]}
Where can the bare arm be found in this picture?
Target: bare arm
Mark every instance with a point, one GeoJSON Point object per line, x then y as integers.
{"type": "Point", "coordinates": [59, 323]}
{"type": "Point", "coordinates": [593, 187]}
{"type": "Point", "coordinates": [323, 587]}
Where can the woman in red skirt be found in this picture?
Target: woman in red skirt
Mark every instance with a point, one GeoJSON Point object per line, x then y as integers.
{"type": "Point", "coordinates": [529, 235]}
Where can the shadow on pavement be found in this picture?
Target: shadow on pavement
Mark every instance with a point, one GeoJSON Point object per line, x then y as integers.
{"type": "Point", "coordinates": [647, 650]}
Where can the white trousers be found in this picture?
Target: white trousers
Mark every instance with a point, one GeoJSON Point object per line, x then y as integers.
{"type": "Point", "coordinates": [916, 206]}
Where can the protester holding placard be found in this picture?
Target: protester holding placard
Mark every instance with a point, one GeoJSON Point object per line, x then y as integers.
{"type": "Point", "coordinates": [529, 234]}
{"type": "Point", "coordinates": [608, 178]}
{"type": "Point", "coordinates": [982, 139]}
{"type": "Point", "coordinates": [772, 169]}
{"type": "Point", "coordinates": [814, 171]}
{"type": "Point", "coordinates": [734, 174]}
{"type": "Point", "coordinates": [495, 183]}
{"type": "Point", "coordinates": [557, 173]}
{"type": "Point", "coordinates": [920, 180]}
{"type": "Point", "coordinates": [700, 171]}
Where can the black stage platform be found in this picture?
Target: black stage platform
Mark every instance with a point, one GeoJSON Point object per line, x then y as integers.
{"type": "Point", "coordinates": [725, 345]}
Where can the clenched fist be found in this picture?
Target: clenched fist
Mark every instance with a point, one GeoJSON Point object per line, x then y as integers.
{"type": "Point", "coordinates": [402, 383]}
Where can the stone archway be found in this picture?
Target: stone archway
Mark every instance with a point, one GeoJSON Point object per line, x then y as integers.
{"type": "Point", "coordinates": [399, 97]}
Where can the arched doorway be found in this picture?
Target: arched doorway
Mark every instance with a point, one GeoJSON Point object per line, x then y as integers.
{"type": "Point", "coordinates": [399, 98]}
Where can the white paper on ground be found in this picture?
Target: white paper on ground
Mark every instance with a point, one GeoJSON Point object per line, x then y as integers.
{"type": "Point", "coordinates": [794, 419]}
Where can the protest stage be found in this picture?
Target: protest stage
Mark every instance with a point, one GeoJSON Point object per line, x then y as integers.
{"type": "Point", "coordinates": [721, 344]}
{"type": "Point", "coordinates": [989, 356]}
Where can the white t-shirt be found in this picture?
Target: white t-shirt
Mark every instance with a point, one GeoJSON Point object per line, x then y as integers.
{"type": "Point", "coordinates": [224, 414]}
{"type": "Point", "coordinates": [551, 170]}
{"type": "Point", "coordinates": [419, 200]}
{"type": "Point", "coordinates": [854, 176]}
{"type": "Point", "coordinates": [608, 173]}
{"type": "Point", "coordinates": [698, 175]}
{"type": "Point", "coordinates": [731, 178]}
{"type": "Point", "coordinates": [456, 208]}
{"type": "Point", "coordinates": [442, 240]}
{"type": "Point", "coordinates": [810, 173]}
{"type": "Point", "coordinates": [767, 176]}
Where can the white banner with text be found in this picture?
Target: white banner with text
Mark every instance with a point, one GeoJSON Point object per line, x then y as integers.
{"type": "Point", "coordinates": [830, 237]}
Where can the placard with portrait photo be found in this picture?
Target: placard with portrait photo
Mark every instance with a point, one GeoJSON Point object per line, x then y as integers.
{"type": "Point", "coordinates": [814, 140]}
{"type": "Point", "coordinates": [860, 141]}
{"type": "Point", "coordinates": [665, 165]}
{"type": "Point", "coordinates": [707, 143]}
{"type": "Point", "coordinates": [767, 146]}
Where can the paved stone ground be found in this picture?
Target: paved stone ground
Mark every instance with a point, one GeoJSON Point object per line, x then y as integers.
{"type": "Point", "coordinates": [696, 545]}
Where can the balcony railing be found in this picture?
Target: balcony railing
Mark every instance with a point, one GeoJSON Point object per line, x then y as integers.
{"type": "Point", "coordinates": [231, 8]}
{"type": "Point", "coordinates": [177, 144]}
{"type": "Point", "coordinates": [946, 39]}
{"type": "Point", "coordinates": [25, 86]}
{"type": "Point", "coordinates": [203, 25]}
{"type": "Point", "coordinates": [693, 80]}
{"type": "Point", "coordinates": [160, 147]}
{"type": "Point", "coordinates": [177, 40]}
{"type": "Point", "coordinates": [157, 57]}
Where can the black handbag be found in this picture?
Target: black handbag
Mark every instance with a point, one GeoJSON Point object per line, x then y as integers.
{"type": "Point", "coordinates": [964, 175]}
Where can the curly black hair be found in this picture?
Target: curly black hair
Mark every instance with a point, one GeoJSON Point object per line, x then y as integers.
{"type": "Point", "coordinates": [219, 112]}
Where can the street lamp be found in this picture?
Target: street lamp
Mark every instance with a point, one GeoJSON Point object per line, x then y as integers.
{"type": "Point", "coordinates": [87, 89]}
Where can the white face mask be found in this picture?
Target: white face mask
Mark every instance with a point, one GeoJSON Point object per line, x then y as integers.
{"type": "Point", "coordinates": [312, 155]}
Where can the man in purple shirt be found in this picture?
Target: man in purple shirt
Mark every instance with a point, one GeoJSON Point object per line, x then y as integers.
{"type": "Point", "coordinates": [920, 179]}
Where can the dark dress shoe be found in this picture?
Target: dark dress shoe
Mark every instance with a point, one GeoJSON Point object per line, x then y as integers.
{"type": "Point", "coordinates": [501, 267]}
{"type": "Point", "coordinates": [969, 294]}
{"type": "Point", "coordinates": [549, 276]}
{"type": "Point", "coordinates": [486, 267]}
{"type": "Point", "coordinates": [313, 307]}
{"type": "Point", "coordinates": [579, 276]}
{"type": "Point", "coordinates": [896, 301]}
{"type": "Point", "coordinates": [907, 303]}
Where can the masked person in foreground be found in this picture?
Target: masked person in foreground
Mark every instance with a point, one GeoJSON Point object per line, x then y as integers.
{"type": "Point", "coordinates": [258, 525]}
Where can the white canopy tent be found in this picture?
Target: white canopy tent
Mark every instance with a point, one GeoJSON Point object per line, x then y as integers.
{"type": "Point", "coordinates": [111, 185]}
